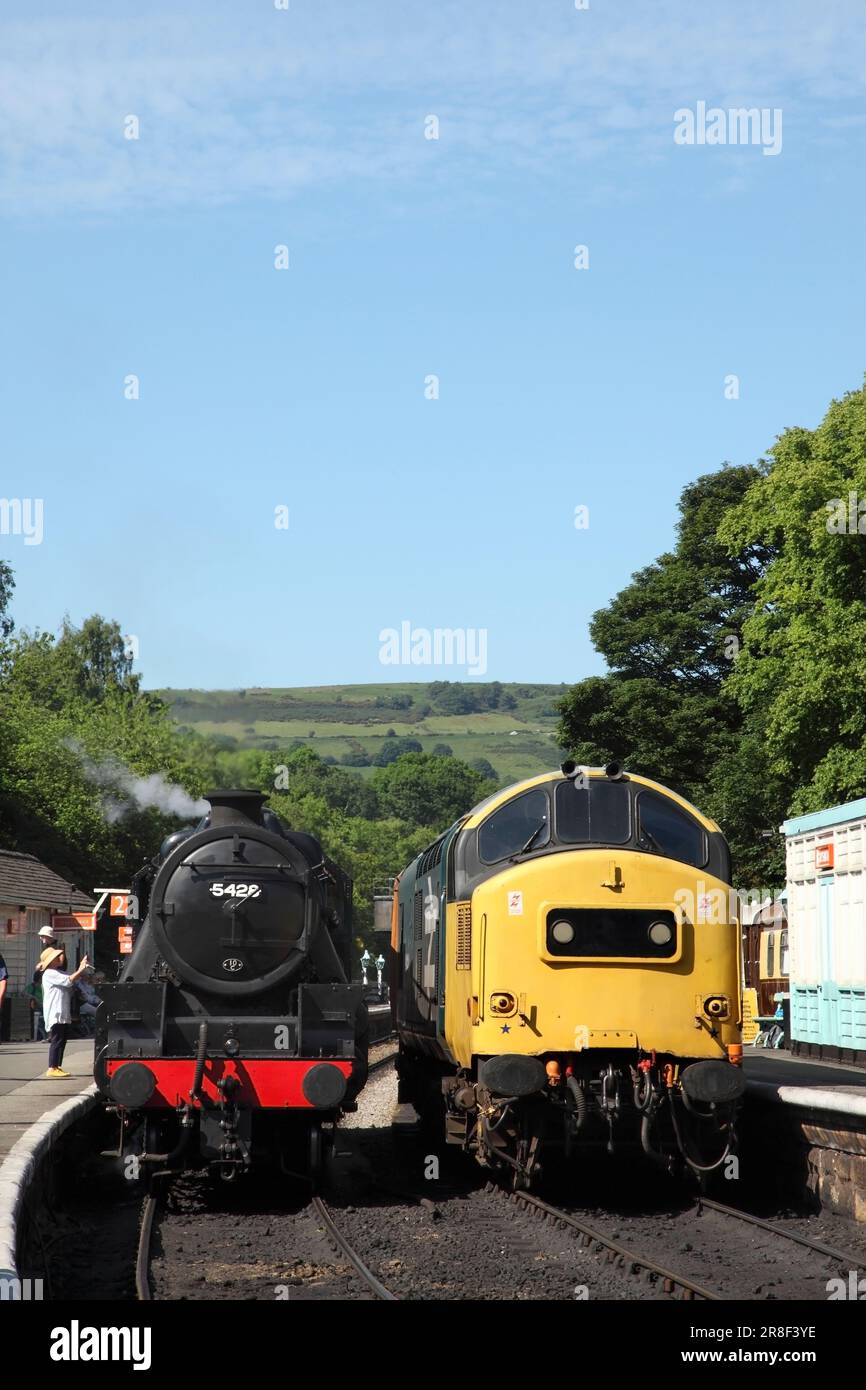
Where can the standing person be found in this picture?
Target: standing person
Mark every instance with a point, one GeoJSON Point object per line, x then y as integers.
{"type": "Point", "coordinates": [56, 1001]}
{"type": "Point", "coordinates": [4, 985]}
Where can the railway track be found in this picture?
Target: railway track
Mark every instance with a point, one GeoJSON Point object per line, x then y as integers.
{"type": "Point", "coordinates": [317, 1207]}
{"type": "Point", "coordinates": [715, 1269]}
{"type": "Point", "coordinates": [143, 1290]}
{"type": "Point", "coordinates": [620, 1256]}
{"type": "Point", "coordinates": [379, 1063]}
{"type": "Point", "coordinates": [320, 1213]}
{"type": "Point", "coordinates": [845, 1258]}
{"type": "Point", "coordinates": [344, 1245]}
{"type": "Point", "coordinates": [722, 1252]}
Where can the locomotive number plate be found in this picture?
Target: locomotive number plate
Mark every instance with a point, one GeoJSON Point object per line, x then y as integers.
{"type": "Point", "coordinates": [236, 890]}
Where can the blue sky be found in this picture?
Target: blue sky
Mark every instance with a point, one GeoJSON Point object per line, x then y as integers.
{"type": "Point", "coordinates": [408, 257]}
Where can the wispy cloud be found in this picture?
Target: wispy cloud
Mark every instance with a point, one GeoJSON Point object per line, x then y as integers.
{"type": "Point", "coordinates": [244, 101]}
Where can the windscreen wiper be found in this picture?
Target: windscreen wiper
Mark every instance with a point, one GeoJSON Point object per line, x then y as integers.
{"type": "Point", "coordinates": [533, 837]}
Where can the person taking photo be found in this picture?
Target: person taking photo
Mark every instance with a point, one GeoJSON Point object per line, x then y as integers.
{"type": "Point", "coordinates": [57, 987]}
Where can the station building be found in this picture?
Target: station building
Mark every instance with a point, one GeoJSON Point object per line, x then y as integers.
{"type": "Point", "coordinates": [34, 896]}
{"type": "Point", "coordinates": [826, 869]}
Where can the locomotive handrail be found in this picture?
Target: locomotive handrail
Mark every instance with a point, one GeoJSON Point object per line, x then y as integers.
{"type": "Point", "coordinates": [223, 868]}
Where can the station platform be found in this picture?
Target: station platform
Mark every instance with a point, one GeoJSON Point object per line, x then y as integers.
{"type": "Point", "coordinates": [26, 1096]}
{"type": "Point", "coordinates": [34, 1112]}
{"type": "Point", "coordinates": [775, 1074]}
{"type": "Point", "coordinates": [806, 1120]}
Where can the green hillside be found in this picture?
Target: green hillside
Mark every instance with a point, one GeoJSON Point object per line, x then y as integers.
{"type": "Point", "coordinates": [512, 726]}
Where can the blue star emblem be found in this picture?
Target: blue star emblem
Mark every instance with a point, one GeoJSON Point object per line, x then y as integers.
{"type": "Point", "coordinates": [505, 1028]}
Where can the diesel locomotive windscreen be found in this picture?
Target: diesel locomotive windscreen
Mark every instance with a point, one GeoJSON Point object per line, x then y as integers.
{"type": "Point", "coordinates": [597, 813]}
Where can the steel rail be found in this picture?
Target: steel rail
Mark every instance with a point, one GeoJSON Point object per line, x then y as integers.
{"type": "Point", "coordinates": [843, 1256]}
{"type": "Point", "coordinates": [618, 1254]}
{"type": "Point", "coordinates": [346, 1248]}
{"type": "Point", "coordinates": [142, 1260]}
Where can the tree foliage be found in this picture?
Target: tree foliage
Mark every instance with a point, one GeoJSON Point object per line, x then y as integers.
{"type": "Point", "coordinates": [670, 638]}
{"type": "Point", "coordinates": [81, 744]}
{"type": "Point", "coordinates": [738, 660]}
{"type": "Point", "coordinates": [801, 674]}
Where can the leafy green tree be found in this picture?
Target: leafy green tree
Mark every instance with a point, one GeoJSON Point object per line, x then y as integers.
{"type": "Point", "coordinates": [394, 748]}
{"type": "Point", "coordinates": [452, 697]}
{"type": "Point", "coordinates": [485, 768]}
{"type": "Point", "coordinates": [801, 673]}
{"type": "Point", "coordinates": [83, 663]}
{"type": "Point", "coordinates": [7, 584]}
{"type": "Point", "coordinates": [426, 790]}
{"type": "Point", "coordinates": [670, 638]}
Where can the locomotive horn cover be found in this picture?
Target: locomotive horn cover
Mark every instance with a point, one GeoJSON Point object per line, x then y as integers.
{"type": "Point", "coordinates": [234, 907]}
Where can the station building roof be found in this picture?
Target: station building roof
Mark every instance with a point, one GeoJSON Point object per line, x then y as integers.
{"type": "Point", "coordinates": [27, 882]}
{"type": "Point", "coordinates": [831, 815]}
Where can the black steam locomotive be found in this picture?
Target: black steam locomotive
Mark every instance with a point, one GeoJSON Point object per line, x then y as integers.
{"type": "Point", "coordinates": [233, 1033]}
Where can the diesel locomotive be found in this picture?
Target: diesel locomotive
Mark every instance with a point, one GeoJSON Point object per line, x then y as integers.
{"type": "Point", "coordinates": [233, 1034]}
{"type": "Point", "coordinates": [566, 975]}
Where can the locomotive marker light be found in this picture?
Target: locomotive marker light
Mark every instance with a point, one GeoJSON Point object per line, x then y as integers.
{"type": "Point", "coordinates": [660, 933]}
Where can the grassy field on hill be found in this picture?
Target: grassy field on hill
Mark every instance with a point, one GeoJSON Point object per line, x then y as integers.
{"type": "Point", "coordinates": [512, 726]}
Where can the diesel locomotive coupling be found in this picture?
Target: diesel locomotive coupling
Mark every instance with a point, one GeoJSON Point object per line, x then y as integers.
{"type": "Point", "coordinates": [233, 1034]}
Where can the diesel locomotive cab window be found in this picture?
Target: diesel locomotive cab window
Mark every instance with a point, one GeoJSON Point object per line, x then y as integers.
{"type": "Point", "coordinates": [665, 829]}
{"type": "Point", "coordinates": [598, 814]}
{"type": "Point", "coordinates": [519, 825]}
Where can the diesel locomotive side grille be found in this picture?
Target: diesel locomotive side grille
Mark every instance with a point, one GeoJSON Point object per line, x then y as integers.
{"type": "Point", "coordinates": [418, 916]}
{"type": "Point", "coordinates": [464, 936]}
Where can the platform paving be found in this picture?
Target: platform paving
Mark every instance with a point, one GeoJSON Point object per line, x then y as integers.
{"type": "Point", "coordinates": [777, 1067]}
{"type": "Point", "coordinates": [25, 1095]}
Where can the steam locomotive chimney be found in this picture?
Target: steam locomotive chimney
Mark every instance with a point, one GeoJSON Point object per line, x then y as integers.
{"type": "Point", "coordinates": [230, 807]}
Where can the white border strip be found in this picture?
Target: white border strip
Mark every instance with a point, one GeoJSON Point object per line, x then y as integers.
{"type": "Point", "coordinates": [21, 1164]}
{"type": "Point", "coordinates": [810, 1098]}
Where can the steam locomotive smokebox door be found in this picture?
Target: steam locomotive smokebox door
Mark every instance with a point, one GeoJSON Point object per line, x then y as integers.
{"type": "Point", "coordinates": [328, 1016]}
{"type": "Point", "coordinates": [134, 1019]}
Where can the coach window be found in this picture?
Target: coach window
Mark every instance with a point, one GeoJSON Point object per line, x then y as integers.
{"type": "Point", "coordinates": [665, 829]}
{"type": "Point", "coordinates": [519, 826]}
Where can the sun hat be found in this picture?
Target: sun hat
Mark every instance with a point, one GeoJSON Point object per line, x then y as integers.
{"type": "Point", "coordinates": [49, 956]}
{"type": "Point", "coordinates": [46, 931]}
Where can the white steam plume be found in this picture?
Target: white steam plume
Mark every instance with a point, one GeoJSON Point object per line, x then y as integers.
{"type": "Point", "coordinates": [123, 791]}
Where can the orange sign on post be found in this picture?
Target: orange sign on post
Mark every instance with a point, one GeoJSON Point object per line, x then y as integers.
{"type": "Point", "coordinates": [119, 905]}
{"type": "Point", "coordinates": [73, 921]}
